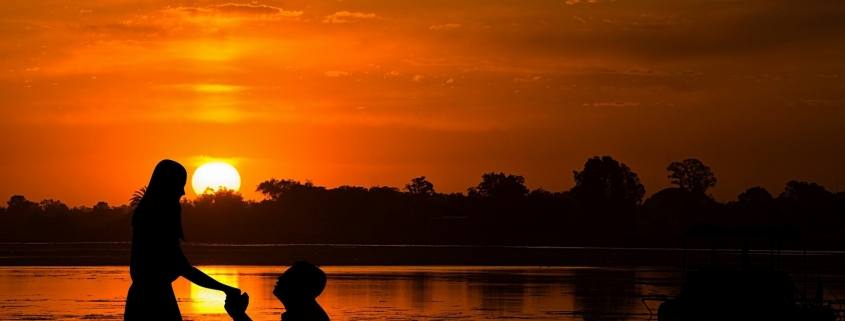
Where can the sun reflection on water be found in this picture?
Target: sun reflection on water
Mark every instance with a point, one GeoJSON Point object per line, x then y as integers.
{"type": "Point", "coordinates": [207, 301]}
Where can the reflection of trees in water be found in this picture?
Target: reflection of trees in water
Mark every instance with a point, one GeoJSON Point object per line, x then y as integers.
{"type": "Point", "coordinates": [348, 288]}
{"type": "Point", "coordinates": [502, 293]}
{"type": "Point", "coordinates": [420, 291]}
{"type": "Point", "coordinates": [384, 290]}
{"type": "Point", "coordinates": [604, 294]}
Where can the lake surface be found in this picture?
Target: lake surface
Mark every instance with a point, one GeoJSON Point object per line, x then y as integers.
{"type": "Point", "coordinates": [354, 293]}
{"type": "Point", "coordinates": [48, 282]}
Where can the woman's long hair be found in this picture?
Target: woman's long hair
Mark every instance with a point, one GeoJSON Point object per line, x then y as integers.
{"type": "Point", "coordinates": [159, 209]}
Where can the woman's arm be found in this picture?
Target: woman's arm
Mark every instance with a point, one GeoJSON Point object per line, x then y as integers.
{"type": "Point", "coordinates": [200, 278]}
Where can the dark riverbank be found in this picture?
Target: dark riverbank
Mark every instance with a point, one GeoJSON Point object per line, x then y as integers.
{"type": "Point", "coordinates": [104, 254]}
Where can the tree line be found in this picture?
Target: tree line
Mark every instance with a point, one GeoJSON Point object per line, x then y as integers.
{"type": "Point", "coordinates": [604, 208]}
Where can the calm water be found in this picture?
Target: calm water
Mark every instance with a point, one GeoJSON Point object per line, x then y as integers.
{"type": "Point", "coordinates": [356, 293]}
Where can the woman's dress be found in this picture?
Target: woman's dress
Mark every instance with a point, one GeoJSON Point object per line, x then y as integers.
{"type": "Point", "coordinates": [156, 262]}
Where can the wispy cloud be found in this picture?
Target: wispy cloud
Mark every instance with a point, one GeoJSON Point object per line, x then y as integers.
{"type": "Point", "coordinates": [647, 22]}
{"type": "Point", "coordinates": [446, 26]}
{"type": "Point", "coordinates": [632, 71]}
{"type": "Point", "coordinates": [613, 104]}
{"type": "Point", "coordinates": [346, 16]}
{"type": "Point", "coordinates": [571, 2]}
{"type": "Point", "coordinates": [208, 88]}
{"type": "Point", "coordinates": [335, 73]}
{"type": "Point", "coordinates": [527, 79]}
{"type": "Point", "coordinates": [235, 10]}
{"type": "Point", "coordinates": [690, 73]}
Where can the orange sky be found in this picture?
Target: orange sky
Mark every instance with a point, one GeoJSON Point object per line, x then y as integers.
{"type": "Point", "coordinates": [95, 92]}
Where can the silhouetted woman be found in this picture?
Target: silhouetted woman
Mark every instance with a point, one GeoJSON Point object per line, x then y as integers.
{"type": "Point", "coordinates": [157, 259]}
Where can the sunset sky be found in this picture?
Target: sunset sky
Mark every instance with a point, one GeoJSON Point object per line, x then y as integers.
{"type": "Point", "coordinates": [348, 92]}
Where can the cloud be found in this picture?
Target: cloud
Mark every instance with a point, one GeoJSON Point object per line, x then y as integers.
{"type": "Point", "coordinates": [652, 22]}
{"type": "Point", "coordinates": [208, 88]}
{"type": "Point", "coordinates": [690, 73]}
{"type": "Point", "coordinates": [613, 103]}
{"type": "Point", "coordinates": [633, 71]}
{"type": "Point", "coordinates": [571, 2]}
{"type": "Point", "coordinates": [528, 79]}
{"type": "Point", "coordinates": [235, 10]}
{"type": "Point", "coordinates": [335, 73]}
{"type": "Point", "coordinates": [446, 26]}
{"type": "Point", "coordinates": [344, 16]}
{"type": "Point", "coordinates": [418, 77]}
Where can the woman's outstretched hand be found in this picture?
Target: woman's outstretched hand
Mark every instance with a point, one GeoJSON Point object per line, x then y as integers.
{"type": "Point", "coordinates": [236, 306]}
{"type": "Point", "coordinates": [231, 291]}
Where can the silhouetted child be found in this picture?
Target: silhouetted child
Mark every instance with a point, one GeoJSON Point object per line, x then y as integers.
{"type": "Point", "coordinates": [297, 289]}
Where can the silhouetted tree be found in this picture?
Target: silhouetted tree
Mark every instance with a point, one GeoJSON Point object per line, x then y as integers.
{"type": "Point", "coordinates": [385, 189]}
{"type": "Point", "coordinates": [499, 186]}
{"type": "Point", "coordinates": [548, 211]}
{"type": "Point", "coordinates": [804, 192]}
{"type": "Point", "coordinates": [607, 182]}
{"type": "Point", "coordinates": [755, 206]}
{"type": "Point", "coordinates": [671, 210]}
{"type": "Point", "coordinates": [692, 175]}
{"type": "Point", "coordinates": [101, 207]}
{"type": "Point", "coordinates": [53, 206]}
{"type": "Point", "coordinates": [420, 187]}
{"type": "Point", "coordinates": [19, 205]}
{"type": "Point", "coordinates": [274, 188]}
{"type": "Point", "coordinates": [600, 210]}
{"type": "Point", "coordinates": [755, 195]}
{"type": "Point", "coordinates": [220, 196]}
{"type": "Point", "coordinates": [540, 194]}
{"type": "Point", "coordinates": [352, 189]}
{"type": "Point", "coordinates": [810, 206]}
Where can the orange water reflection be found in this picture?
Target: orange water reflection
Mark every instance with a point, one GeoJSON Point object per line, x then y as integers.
{"type": "Point", "coordinates": [206, 301]}
{"type": "Point", "coordinates": [353, 293]}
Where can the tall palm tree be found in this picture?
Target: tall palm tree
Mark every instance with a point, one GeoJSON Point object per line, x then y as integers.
{"type": "Point", "coordinates": [136, 197]}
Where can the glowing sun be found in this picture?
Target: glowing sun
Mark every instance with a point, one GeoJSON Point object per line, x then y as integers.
{"type": "Point", "coordinates": [215, 175]}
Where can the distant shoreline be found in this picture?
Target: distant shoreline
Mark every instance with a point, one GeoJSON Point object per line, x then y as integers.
{"type": "Point", "coordinates": [117, 254]}
{"type": "Point", "coordinates": [207, 244]}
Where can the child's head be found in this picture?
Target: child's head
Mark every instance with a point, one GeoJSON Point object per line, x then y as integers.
{"type": "Point", "coordinates": [302, 281]}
